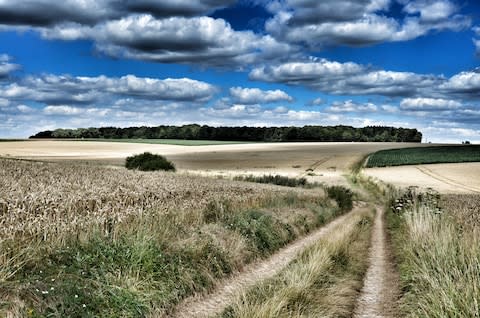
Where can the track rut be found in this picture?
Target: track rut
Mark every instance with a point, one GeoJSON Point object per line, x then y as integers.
{"type": "Point", "coordinates": [230, 288]}
{"type": "Point", "coordinates": [380, 291]}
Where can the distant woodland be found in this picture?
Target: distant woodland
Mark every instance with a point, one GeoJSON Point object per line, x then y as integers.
{"type": "Point", "coordinates": [267, 134]}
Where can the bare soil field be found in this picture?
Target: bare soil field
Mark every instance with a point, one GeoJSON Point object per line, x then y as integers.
{"type": "Point", "coordinates": [319, 162]}
{"type": "Point", "coordinates": [445, 178]}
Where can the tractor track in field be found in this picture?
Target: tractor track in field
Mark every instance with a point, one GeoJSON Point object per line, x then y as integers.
{"type": "Point", "coordinates": [315, 165]}
{"type": "Point", "coordinates": [228, 289]}
{"type": "Point", "coordinates": [446, 180]}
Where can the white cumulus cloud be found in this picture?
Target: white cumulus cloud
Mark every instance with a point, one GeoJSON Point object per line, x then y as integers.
{"type": "Point", "coordinates": [428, 104]}
{"type": "Point", "coordinates": [258, 96]}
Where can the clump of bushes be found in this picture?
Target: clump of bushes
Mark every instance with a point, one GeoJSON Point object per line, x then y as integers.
{"type": "Point", "coordinates": [149, 162]}
{"type": "Point", "coordinates": [342, 195]}
{"type": "Point", "coordinates": [274, 179]}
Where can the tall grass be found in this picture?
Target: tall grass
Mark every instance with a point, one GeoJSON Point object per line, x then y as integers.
{"type": "Point", "coordinates": [323, 281]}
{"type": "Point", "coordinates": [439, 256]}
{"type": "Point", "coordinates": [92, 241]}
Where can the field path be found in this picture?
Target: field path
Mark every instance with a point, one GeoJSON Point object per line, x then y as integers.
{"type": "Point", "coordinates": [446, 180]}
{"type": "Point", "coordinates": [228, 289]}
{"type": "Point", "coordinates": [380, 290]}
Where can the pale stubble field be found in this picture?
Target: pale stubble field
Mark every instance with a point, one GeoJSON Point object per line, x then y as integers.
{"type": "Point", "coordinates": [318, 162]}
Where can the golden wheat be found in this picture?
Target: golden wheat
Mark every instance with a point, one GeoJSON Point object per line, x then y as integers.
{"type": "Point", "coordinates": [49, 204]}
{"type": "Point", "coordinates": [44, 199]}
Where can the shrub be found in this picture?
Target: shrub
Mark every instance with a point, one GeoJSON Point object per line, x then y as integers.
{"type": "Point", "coordinates": [274, 179]}
{"type": "Point", "coordinates": [149, 162]}
{"type": "Point", "coordinates": [342, 195]}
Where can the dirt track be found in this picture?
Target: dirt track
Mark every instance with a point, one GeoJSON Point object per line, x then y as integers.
{"type": "Point", "coordinates": [380, 291]}
{"type": "Point", "coordinates": [227, 290]}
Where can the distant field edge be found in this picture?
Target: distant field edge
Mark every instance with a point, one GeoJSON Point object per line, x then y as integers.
{"type": "Point", "coordinates": [424, 155]}
{"type": "Point", "coordinates": [177, 142]}
{"type": "Point", "coordinates": [11, 140]}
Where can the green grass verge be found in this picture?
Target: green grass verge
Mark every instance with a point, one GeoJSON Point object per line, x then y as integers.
{"type": "Point", "coordinates": [424, 155]}
{"type": "Point", "coordinates": [438, 257]}
{"type": "Point", "coordinates": [324, 281]}
{"type": "Point", "coordinates": [178, 142]}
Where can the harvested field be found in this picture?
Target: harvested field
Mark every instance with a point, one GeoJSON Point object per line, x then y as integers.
{"type": "Point", "coordinates": [319, 162]}
{"type": "Point", "coordinates": [445, 178]}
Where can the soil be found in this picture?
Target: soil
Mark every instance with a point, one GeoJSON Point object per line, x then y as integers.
{"type": "Point", "coordinates": [380, 291]}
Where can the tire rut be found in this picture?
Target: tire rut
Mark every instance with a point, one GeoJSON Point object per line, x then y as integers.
{"type": "Point", "coordinates": [446, 180]}
{"type": "Point", "coordinates": [230, 288]}
{"type": "Point", "coordinates": [379, 295]}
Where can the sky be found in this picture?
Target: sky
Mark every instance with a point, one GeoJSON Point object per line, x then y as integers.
{"type": "Point", "coordinates": [92, 63]}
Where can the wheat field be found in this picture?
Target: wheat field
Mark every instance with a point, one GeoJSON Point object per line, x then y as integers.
{"type": "Point", "coordinates": [79, 237]}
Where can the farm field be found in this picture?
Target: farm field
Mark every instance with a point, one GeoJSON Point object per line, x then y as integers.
{"type": "Point", "coordinates": [444, 178]}
{"type": "Point", "coordinates": [82, 233]}
{"type": "Point", "coordinates": [240, 159]}
{"type": "Point", "coordinates": [451, 169]}
{"type": "Point", "coordinates": [424, 155]}
{"type": "Point", "coordinates": [112, 242]}
{"type": "Point", "coordinates": [319, 162]}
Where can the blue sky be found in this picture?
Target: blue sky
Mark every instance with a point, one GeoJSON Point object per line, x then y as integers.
{"type": "Point", "coordinates": [405, 63]}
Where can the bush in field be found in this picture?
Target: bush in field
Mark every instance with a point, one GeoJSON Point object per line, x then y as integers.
{"type": "Point", "coordinates": [149, 162]}
{"type": "Point", "coordinates": [342, 195]}
{"type": "Point", "coordinates": [274, 179]}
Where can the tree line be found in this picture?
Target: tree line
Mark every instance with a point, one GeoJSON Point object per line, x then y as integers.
{"type": "Point", "coordinates": [268, 134]}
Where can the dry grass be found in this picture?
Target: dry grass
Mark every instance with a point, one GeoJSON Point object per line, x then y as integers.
{"type": "Point", "coordinates": [94, 241]}
{"type": "Point", "coordinates": [439, 255]}
{"type": "Point", "coordinates": [323, 282]}
{"type": "Point", "coordinates": [465, 208]}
